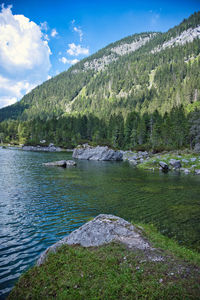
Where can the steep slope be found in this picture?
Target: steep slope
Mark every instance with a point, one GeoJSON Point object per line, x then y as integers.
{"type": "Point", "coordinates": [144, 72]}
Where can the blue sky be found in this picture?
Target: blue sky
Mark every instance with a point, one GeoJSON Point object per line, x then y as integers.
{"type": "Point", "coordinates": [49, 36]}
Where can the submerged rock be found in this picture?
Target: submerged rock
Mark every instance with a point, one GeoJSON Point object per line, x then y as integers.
{"type": "Point", "coordinates": [185, 170]}
{"type": "Point", "coordinates": [97, 153]}
{"type": "Point", "coordinates": [102, 230]}
{"type": "Point", "coordinates": [61, 163]}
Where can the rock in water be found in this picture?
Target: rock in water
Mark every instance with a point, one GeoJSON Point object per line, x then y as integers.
{"type": "Point", "coordinates": [97, 153]}
{"type": "Point", "coordinates": [164, 166]}
{"type": "Point", "coordinates": [70, 163]}
{"type": "Point", "coordinates": [102, 230]}
{"type": "Point", "coordinates": [61, 163]}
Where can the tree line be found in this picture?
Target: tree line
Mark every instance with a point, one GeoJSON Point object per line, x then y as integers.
{"type": "Point", "coordinates": [174, 130]}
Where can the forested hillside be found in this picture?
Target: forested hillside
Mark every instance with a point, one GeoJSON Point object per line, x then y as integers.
{"type": "Point", "coordinates": [142, 91]}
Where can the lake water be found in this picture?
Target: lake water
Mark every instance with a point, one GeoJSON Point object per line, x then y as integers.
{"type": "Point", "coordinates": [39, 205]}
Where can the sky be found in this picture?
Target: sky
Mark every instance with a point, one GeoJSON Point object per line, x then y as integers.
{"type": "Point", "coordinates": [40, 39]}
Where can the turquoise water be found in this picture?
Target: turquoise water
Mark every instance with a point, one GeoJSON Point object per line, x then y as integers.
{"type": "Point", "coordinates": [39, 205]}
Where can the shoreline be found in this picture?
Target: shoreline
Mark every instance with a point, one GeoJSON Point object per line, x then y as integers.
{"type": "Point", "coordinates": [179, 161]}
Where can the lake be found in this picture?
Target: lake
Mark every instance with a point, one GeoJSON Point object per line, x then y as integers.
{"type": "Point", "coordinates": [39, 205]}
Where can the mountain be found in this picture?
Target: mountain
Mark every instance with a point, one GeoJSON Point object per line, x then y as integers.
{"type": "Point", "coordinates": [144, 74]}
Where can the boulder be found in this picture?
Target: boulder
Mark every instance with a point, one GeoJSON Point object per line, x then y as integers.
{"type": "Point", "coordinates": [133, 162]}
{"type": "Point", "coordinates": [143, 154]}
{"type": "Point", "coordinates": [175, 163]}
{"type": "Point", "coordinates": [61, 163]}
{"type": "Point", "coordinates": [97, 153]}
{"type": "Point", "coordinates": [186, 171]}
{"type": "Point", "coordinates": [197, 172]}
{"type": "Point", "coordinates": [102, 230]}
{"type": "Point", "coordinates": [185, 161]}
{"type": "Point", "coordinates": [197, 148]}
{"type": "Point", "coordinates": [70, 163]}
{"type": "Point", "coordinates": [164, 166]}
{"type": "Point", "coordinates": [193, 167]}
{"type": "Point", "coordinates": [193, 159]}
{"type": "Point", "coordinates": [130, 156]}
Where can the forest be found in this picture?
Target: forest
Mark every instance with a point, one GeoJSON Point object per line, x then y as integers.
{"type": "Point", "coordinates": [174, 130]}
{"type": "Point", "coordinates": [145, 99]}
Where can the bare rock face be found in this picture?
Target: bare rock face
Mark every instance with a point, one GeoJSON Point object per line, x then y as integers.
{"type": "Point", "coordinates": [97, 153]}
{"type": "Point", "coordinates": [61, 163]}
{"type": "Point", "coordinates": [102, 230]}
{"type": "Point", "coordinates": [187, 36]}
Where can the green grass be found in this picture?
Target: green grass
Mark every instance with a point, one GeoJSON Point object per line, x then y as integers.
{"type": "Point", "coordinates": [169, 245]}
{"type": "Point", "coordinates": [153, 162]}
{"type": "Point", "coordinates": [113, 272]}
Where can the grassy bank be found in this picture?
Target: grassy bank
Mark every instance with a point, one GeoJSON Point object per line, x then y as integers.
{"type": "Point", "coordinates": [114, 272]}
{"type": "Point", "coordinates": [189, 160]}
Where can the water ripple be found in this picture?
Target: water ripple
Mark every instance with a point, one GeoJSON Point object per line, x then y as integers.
{"type": "Point", "coordinates": [38, 205]}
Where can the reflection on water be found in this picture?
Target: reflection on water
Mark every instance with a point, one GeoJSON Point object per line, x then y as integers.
{"type": "Point", "coordinates": [39, 205]}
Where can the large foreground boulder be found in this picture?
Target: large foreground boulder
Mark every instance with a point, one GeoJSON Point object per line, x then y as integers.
{"type": "Point", "coordinates": [102, 230]}
{"type": "Point", "coordinates": [97, 153]}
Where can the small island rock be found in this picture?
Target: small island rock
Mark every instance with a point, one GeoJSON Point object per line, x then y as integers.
{"type": "Point", "coordinates": [61, 163]}
{"type": "Point", "coordinates": [97, 153]}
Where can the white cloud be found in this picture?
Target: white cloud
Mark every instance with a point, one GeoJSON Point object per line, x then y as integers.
{"type": "Point", "coordinates": [76, 50]}
{"type": "Point", "coordinates": [64, 60]}
{"type": "Point", "coordinates": [46, 37]}
{"type": "Point", "coordinates": [5, 101]}
{"type": "Point", "coordinates": [79, 31]}
{"type": "Point", "coordinates": [44, 26]}
{"type": "Point", "coordinates": [24, 56]}
{"type": "Point", "coordinates": [155, 17]}
{"type": "Point", "coordinates": [54, 32]}
{"type": "Point", "coordinates": [13, 87]}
